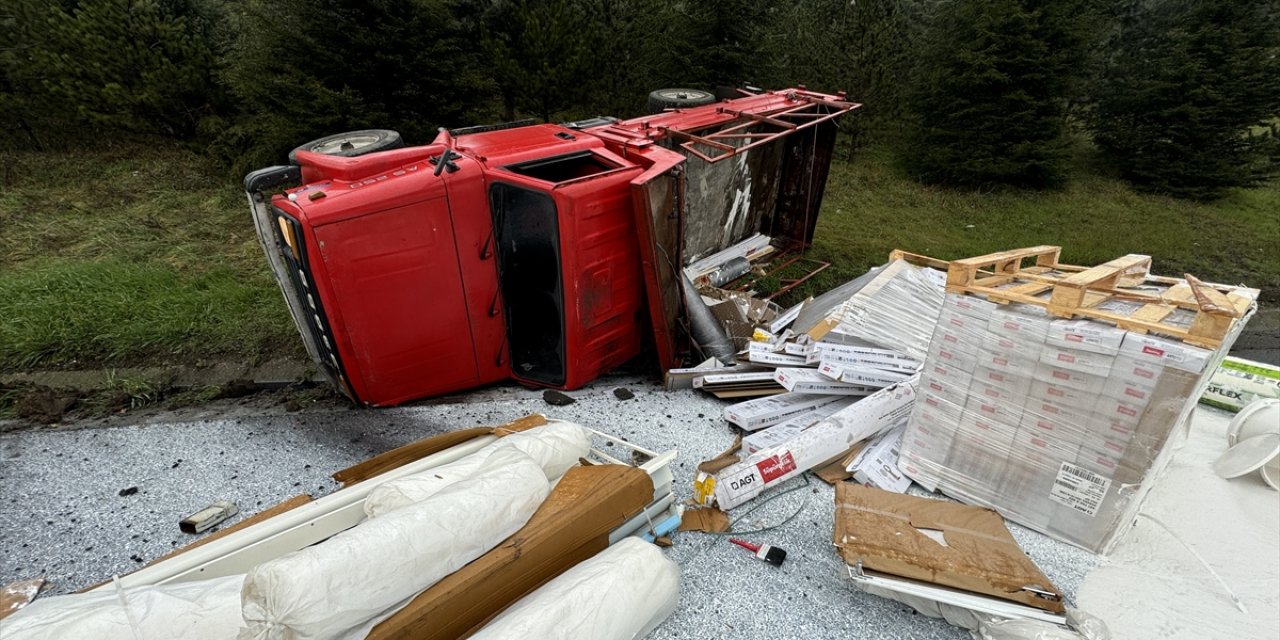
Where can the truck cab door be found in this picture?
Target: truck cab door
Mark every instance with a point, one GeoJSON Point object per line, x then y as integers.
{"type": "Point", "coordinates": [396, 288]}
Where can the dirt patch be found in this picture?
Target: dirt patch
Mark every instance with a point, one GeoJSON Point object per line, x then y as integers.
{"type": "Point", "coordinates": [26, 406]}
{"type": "Point", "coordinates": [40, 404]}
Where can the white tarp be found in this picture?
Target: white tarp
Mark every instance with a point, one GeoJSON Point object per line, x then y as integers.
{"type": "Point", "coordinates": [341, 587]}
{"type": "Point", "coordinates": [621, 593]}
{"type": "Point", "coordinates": [555, 446]}
{"type": "Point", "coordinates": [202, 610]}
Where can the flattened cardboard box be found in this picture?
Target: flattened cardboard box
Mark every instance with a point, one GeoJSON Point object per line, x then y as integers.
{"type": "Point", "coordinates": [897, 535]}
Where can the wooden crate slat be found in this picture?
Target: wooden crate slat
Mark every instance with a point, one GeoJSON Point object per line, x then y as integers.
{"type": "Point", "coordinates": [1211, 300]}
{"type": "Point", "coordinates": [1077, 291]}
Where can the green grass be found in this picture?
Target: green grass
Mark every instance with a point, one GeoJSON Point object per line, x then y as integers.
{"type": "Point", "coordinates": [870, 209]}
{"type": "Point", "coordinates": [130, 255]}
{"type": "Point", "coordinates": [138, 255]}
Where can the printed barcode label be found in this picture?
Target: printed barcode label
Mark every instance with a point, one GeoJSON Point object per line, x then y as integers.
{"type": "Point", "coordinates": [1079, 488]}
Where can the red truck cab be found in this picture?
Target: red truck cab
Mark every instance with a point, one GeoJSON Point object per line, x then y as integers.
{"type": "Point", "coordinates": [522, 252]}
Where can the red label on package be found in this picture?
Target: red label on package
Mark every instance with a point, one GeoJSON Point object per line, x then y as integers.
{"type": "Point", "coordinates": [1057, 392]}
{"type": "Point", "coordinates": [1066, 357]}
{"type": "Point", "coordinates": [1001, 361]}
{"type": "Point", "coordinates": [1130, 391]}
{"type": "Point", "coordinates": [1062, 375]}
{"type": "Point", "coordinates": [1152, 351]}
{"type": "Point", "coordinates": [1071, 337]}
{"type": "Point", "coordinates": [1143, 373]}
{"type": "Point", "coordinates": [775, 467]}
{"type": "Point", "coordinates": [1126, 410]}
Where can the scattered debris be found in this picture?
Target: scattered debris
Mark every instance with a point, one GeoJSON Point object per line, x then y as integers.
{"type": "Point", "coordinates": [901, 538]}
{"type": "Point", "coordinates": [555, 398]}
{"type": "Point", "coordinates": [708, 520]}
{"type": "Point", "coordinates": [733, 484]}
{"type": "Point", "coordinates": [876, 465]}
{"type": "Point", "coordinates": [622, 393]}
{"type": "Point", "coordinates": [18, 594]}
{"type": "Point", "coordinates": [236, 389]}
{"type": "Point", "coordinates": [208, 517]}
{"type": "Point", "coordinates": [128, 491]}
{"type": "Point", "coordinates": [42, 404]}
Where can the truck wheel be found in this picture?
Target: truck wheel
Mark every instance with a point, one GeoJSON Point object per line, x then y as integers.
{"type": "Point", "coordinates": [664, 99]}
{"type": "Point", "coordinates": [351, 144]}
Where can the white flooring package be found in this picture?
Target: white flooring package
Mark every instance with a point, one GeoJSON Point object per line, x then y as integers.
{"type": "Point", "coordinates": [201, 610]}
{"type": "Point", "coordinates": [555, 447]}
{"type": "Point", "coordinates": [344, 585]}
{"type": "Point", "coordinates": [621, 593]}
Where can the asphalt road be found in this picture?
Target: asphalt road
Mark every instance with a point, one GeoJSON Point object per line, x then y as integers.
{"type": "Point", "coordinates": [63, 516]}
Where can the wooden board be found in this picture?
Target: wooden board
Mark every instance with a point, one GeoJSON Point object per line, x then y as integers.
{"type": "Point", "coordinates": [1024, 275]}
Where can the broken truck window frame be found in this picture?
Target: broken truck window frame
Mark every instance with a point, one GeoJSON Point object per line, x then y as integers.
{"type": "Point", "coordinates": [499, 215]}
{"type": "Point", "coordinates": [609, 167]}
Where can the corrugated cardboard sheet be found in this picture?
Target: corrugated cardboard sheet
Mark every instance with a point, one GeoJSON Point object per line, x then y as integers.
{"type": "Point", "coordinates": [899, 535]}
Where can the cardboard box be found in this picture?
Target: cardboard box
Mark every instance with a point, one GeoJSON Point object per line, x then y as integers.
{"type": "Point", "coordinates": [861, 375]}
{"type": "Point", "coordinates": [1087, 382]}
{"type": "Point", "coordinates": [1021, 322]}
{"type": "Point", "coordinates": [860, 353]}
{"type": "Point", "coordinates": [572, 525]}
{"type": "Point", "coordinates": [876, 465]}
{"type": "Point", "coordinates": [1095, 364]}
{"type": "Point", "coordinates": [1165, 353]}
{"type": "Point", "coordinates": [1010, 383]}
{"type": "Point", "coordinates": [1237, 382]}
{"type": "Point", "coordinates": [779, 433]}
{"type": "Point", "coordinates": [811, 381]}
{"type": "Point", "coordinates": [968, 305]}
{"type": "Point", "coordinates": [899, 535]}
{"type": "Point", "coordinates": [766, 412]}
{"type": "Point", "coordinates": [741, 481]}
{"type": "Point", "coordinates": [1085, 335]}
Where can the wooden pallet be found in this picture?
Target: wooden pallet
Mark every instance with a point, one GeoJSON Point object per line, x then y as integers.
{"type": "Point", "coordinates": [1024, 275]}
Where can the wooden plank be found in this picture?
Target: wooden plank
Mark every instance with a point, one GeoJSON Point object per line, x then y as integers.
{"type": "Point", "coordinates": [1179, 293]}
{"type": "Point", "coordinates": [1211, 300]}
{"type": "Point", "coordinates": [964, 272]}
{"type": "Point", "coordinates": [1152, 313]}
{"type": "Point", "coordinates": [1031, 288]}
{"type": "Point", "coordinates": [401, 456]}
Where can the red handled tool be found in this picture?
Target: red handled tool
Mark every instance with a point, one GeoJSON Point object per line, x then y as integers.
{"type": "Point", "coordinates": [771, 555]}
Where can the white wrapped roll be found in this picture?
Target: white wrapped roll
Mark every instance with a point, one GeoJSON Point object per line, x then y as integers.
{"type": "Point", "coordinates": [342, 586]}
{"type": "Point", "coordinates": [555, 446]}
{"type": "Point", "coordinates": [202, 610]}
{"type": "Point", "coordinates": [621, 593]}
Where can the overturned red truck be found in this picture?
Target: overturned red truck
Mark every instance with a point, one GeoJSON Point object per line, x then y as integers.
{"type": "Point", "coordinates": [547, 253]}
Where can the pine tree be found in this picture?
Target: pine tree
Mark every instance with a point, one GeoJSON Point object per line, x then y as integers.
{"type": "Point", "coordinates": [989, 96]}
{"type": "Point", "coordinates": [302, 69]}
{"type": "Point", "coordinates": [99, 66]}
{"type": "Point", "coordinates": [1190, 96]}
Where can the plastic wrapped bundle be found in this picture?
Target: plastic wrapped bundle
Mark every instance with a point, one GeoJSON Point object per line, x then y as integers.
{"type": "Point", "coordinates": [203, 610]}
{"type": "Point", "coordinates": [343, 586]}
{"type": "Point", "coordinates": [621, 593]}
{"type": "Point", "coordinates": [555, 447]}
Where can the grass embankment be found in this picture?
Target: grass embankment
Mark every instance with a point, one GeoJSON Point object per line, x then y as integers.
{"type": "Point", "coordinates": [128, 256]}
{"type": "Point", "coordinates": [134, 256]}
{"type": "Point", "coordinates": [870, 209]}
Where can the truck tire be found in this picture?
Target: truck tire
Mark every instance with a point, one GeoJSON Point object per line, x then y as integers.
{"type": "Point", "coordinates": [664, 99]}
{"type": "Point", "coordinates": [351, 144]}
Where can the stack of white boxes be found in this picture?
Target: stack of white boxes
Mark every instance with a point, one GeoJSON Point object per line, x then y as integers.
{"type": "Point", "coordinates": [1058, 424]}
